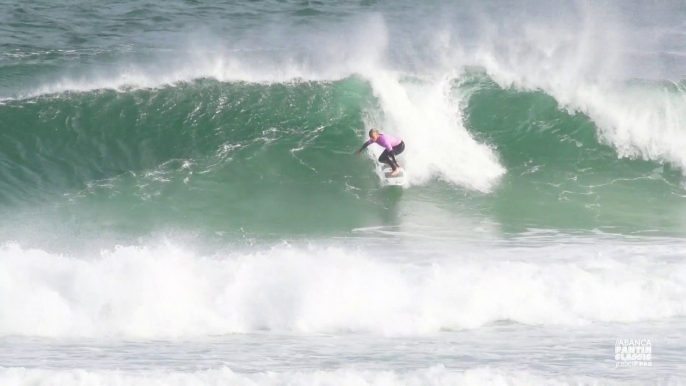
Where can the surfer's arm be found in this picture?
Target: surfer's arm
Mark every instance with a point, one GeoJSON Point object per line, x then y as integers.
{"type": "Point", "coordinates": [364, 146]}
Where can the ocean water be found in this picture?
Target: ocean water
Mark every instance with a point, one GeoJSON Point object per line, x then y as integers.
{"type": "Point", "coordinates": [180, 203]}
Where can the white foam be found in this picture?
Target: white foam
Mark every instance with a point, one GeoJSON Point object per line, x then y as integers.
{"type": "Point", "coordinates": [437, 375]}
{"type": "Point", "coordinates": [167, 291]}
{"type": "Point", "coordinates": [426, 114]}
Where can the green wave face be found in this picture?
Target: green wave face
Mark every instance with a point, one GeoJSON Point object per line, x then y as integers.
{"type": "Point", "coordinates": [562, 175]}
{"type": "Point", "coordinates": [262, 158]}
{"type": "Point", "coordinates": [275, 160]}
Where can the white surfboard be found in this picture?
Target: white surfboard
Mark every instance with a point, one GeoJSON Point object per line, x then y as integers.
{"type": "Point", "coordinates": [385, 174]}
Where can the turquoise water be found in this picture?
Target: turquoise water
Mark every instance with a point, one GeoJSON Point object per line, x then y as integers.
{"type": "Point", "coordinates": [178, 179]}
{"type": "Point", "coordinates": [276, 159]}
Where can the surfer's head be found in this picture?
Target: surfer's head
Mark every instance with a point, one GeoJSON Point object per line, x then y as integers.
{"type": "Point", "coordinates": [374, 134]}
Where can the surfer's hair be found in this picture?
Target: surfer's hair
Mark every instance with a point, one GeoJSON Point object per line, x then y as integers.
{"type": "Point", "coordinates": [372, 131]}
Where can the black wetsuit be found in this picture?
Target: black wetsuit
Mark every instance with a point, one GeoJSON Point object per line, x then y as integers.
{"type": "Point", "coordinates": [388, 157]}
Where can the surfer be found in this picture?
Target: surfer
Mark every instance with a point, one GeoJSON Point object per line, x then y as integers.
{"type": "Point", "coordinates": [392, 146]}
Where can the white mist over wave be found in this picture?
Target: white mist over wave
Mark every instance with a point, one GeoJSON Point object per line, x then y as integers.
{"type": "Point", "coordinates": [168, 291]}
{"type": "Point", "coordinates": [276, 56]}
{"type": "Point", "coordinates": [437, 375]}
{"type": "Point", "coordinates": [588, 59]}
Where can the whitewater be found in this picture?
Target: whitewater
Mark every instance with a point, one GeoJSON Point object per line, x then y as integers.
{"type": "Point", "coordinates": [180, 203]}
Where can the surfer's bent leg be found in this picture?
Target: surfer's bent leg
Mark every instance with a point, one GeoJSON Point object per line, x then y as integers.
{"type": "Point", "coordinates": [399, 148]}
{"type": "Point", "coordinates": [385, 158]}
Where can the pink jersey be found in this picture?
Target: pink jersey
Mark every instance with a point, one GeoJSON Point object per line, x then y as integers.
{"type": "Point", "coordinates": [386, 141]}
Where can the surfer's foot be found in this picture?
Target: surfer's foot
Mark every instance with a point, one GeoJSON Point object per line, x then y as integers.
{"type": "Point", "coordinates": [398, 164]}
{"type": "Point", "coordinates": [395, 172]}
